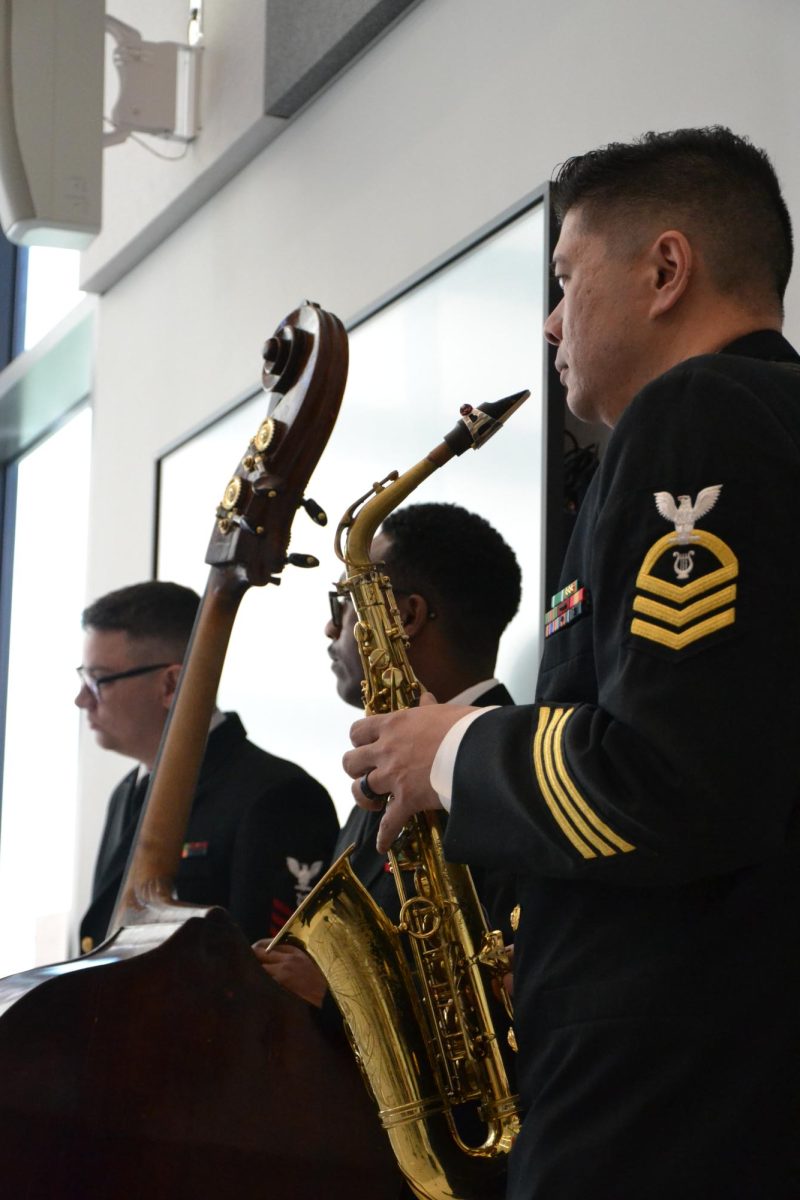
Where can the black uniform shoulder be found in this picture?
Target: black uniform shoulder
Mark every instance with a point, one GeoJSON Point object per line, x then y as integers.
{"type": "Point", "coordinates": [711, 408]}
{"type": "Point", "coordinates": [698, 388]}
{"type": "Point", "coordinates": [761, 381]}
{"type": "Point", "coordinates": [249, 773]}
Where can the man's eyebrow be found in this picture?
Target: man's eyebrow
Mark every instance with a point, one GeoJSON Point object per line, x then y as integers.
{"type": "Point", "coordinates": [557, 262]}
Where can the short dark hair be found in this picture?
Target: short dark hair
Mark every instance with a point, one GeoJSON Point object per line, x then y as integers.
{"type": "Point", "coordinates": [158, 610]}
{"type": "Point", "coordinates": [720, 184]}
{"type": "Point", "coordinates": [460, 563]}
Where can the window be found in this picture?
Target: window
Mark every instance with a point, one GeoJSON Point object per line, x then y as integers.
{"type": "Point", "coordinates": [469, 330]}
{"type": "Point", "coordinates": [51, 290]}
{"type": "Point", "coordinates": [37, 831]}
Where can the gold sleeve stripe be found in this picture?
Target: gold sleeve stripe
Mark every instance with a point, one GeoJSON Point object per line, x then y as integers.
{"type": "Point", "coordinates": [565, 804]}
{"type": "Point", "coordinates": [677, 641]}
{"type": "Point", "coordinates": [586, 830]}
{"type": "Point", "coordinates": [542, 779]}
{"type": "Point", "coordinates": [579, 801]}
{"type": "Point", "coordinates": [681, 617]}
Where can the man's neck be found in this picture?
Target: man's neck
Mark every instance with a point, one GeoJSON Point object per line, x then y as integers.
{"type": "Point", "coordinates": [147, 761]}
{"type": "Point", "coordinates": [451, 680]}
{"type": "Point", "coordinates": [689, 340]}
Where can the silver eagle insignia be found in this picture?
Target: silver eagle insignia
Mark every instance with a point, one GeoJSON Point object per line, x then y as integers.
{"type": "Point", "coordinates": [304, 874]}
{"type": "Point", "coordinates": [684, 516]}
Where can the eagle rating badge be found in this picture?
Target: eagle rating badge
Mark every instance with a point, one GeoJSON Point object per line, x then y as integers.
{"type": "Point", "coordinates": [691, 608]}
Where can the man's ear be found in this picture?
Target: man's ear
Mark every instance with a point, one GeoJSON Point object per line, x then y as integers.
{"type": "Point", "coordinates": [170, 683]}
{"type": "Point", "coordinates": [414, 613]}
{"type": "Point", "coordinates": [671, 261]}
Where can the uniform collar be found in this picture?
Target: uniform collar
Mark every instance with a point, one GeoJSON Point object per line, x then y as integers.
{"type": "Point", "coordinates": [471, 694]}
{"type": "Point", "coordinates": [763, 343]}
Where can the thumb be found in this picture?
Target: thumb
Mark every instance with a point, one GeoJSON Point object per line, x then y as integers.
{"type": "Point", "coordinates": [427, 698]}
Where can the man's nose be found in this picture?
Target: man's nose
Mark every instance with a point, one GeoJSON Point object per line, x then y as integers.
{"type": "Point", "coordinates": [552, 326]}
{"type": "Point", "coordinates": [84, 698]}
{"type": "Point", "coordinates": [332, 631]}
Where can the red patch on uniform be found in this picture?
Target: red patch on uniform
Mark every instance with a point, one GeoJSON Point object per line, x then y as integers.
{"type": "Point", "coordinates": [194, 850]}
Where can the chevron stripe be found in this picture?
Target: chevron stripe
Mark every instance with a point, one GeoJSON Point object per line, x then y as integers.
{"type": "Point", "coordinates": [677, 641]}
{"type": "Point", "coordinates": [682, 616]}
{"type": "Point", "coordinates": [681, 592]}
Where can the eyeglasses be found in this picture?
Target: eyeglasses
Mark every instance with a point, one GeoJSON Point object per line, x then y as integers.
{"type": "Point", "coordinates": [339, 600]}
{"type": "Point", "coordinates": [93, 684]}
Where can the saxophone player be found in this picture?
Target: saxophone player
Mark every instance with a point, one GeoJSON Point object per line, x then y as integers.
{"type": "Point", "coordinates": [648, 801]}
{"type": "Point", "coordinates": [457, 585]}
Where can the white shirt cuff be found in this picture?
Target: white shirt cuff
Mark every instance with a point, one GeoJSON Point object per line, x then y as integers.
{"type": "Point", "coordinates": [444, 764]}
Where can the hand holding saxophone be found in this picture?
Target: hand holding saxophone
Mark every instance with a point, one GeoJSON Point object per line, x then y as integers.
{"type": "Point", "coordinates": [292, 968]}
{"type": "Point", "coordinates": [395, 753]}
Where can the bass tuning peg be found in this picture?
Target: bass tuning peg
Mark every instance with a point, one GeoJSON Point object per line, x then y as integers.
{"type": "Point", "coordinates": [317, 514]}
{"type": "Point", "coordinates": [301, 560]}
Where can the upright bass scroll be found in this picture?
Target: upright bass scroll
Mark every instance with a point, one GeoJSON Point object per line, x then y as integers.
{"type": "Point", "coordinates": [304, 372]}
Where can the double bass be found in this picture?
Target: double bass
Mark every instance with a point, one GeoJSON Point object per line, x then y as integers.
{"type": "Point", "coordinates": [166, 1063]}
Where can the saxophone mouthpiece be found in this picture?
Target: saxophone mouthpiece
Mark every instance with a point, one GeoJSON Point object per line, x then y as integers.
{"type": "Point", "coordinates": [477, 425]}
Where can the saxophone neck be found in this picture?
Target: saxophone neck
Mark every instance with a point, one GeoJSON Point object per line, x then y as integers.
{"type": "Point", "coordinates": [358, 525]}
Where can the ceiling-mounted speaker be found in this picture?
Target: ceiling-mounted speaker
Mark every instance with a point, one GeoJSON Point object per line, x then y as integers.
{"type": "Point", "coordinates": [51, 121]}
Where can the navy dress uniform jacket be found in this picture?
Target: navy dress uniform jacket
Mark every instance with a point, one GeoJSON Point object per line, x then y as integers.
{"type": "Point", "coordinates": [259, 834]}
{"type": "Point", "coordinates": [648, 805]}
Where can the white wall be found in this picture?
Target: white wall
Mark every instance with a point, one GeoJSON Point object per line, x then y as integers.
{"type": "Point", "coordinates": [146, 193]}
{"type": "Point", "coordinates": [465, 107]}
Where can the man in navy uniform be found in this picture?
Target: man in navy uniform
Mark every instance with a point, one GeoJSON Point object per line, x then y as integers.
{"type": "Point", "coordinates": [260, 828]}
{"type": "Point", "coordinates": [648, 801]}
{"type": "Point", "coordinates": [457, 584]}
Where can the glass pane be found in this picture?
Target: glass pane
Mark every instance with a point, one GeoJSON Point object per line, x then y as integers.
{"type": "Point", "coordinates": [52, 290]}
{"type": "Point", "coordinates": [39, 815]}
{"type": "Point", "coordinates": [472, 332]}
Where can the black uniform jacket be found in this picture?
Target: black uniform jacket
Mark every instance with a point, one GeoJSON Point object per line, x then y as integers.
{"type": "Point", "coordinates": [648, 805]}
{"type": "Point", "coordinates": [259, 834]}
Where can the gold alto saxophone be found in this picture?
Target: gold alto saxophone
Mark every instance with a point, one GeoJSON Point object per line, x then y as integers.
{"type": "Point", "coordinates": [414, 996]}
